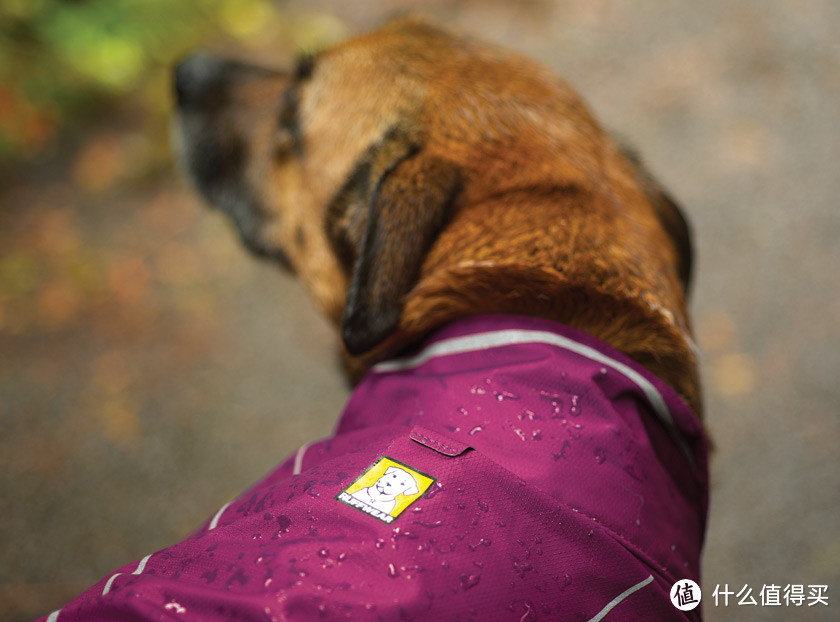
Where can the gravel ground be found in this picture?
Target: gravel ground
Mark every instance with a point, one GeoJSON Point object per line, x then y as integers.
{"type": "Point", "coordinates": [130, 421]}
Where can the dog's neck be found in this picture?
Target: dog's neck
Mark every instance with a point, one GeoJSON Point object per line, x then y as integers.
{"type": "Point", "coordinates": [497, 265]}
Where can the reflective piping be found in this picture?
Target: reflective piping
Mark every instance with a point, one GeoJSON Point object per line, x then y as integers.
{"type": "Point", "coordinates": [600, 615]}
{"type": "Point", "coordinates": [140, 567]}
{"type": "Point", "coordinates": [485, 341]}
{"type": "Point", "coordinates": [298, 466]}
{"type": "Point", "coordinates": [215, 521]}
{"type": "Point", "coordinates": [110, 582]}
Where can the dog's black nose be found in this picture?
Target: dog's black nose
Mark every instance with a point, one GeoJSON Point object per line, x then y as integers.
{"type": "Point", "coordinates": [199, 77]}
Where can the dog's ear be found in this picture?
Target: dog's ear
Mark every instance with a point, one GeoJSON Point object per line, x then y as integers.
{"type": "Point", "coordinates": [382, 223]}
{"type": "Point", "coordinates": [670, 215]}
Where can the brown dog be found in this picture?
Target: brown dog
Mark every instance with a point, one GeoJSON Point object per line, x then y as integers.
{"type": "Point", "coordinates": [429, 188]}
{"type": "Point", "coordinates": [412, 177]}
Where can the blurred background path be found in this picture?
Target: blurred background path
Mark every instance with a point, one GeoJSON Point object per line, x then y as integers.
{"type": "Point", "coordinates": [150, 370]}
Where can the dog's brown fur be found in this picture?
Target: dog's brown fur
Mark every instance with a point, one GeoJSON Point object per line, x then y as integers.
{"type": "Point", "coordinates": [412, 177]}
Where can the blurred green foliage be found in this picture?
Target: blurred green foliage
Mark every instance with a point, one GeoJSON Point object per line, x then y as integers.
{"type": "Point", "coordinates": [61, 58]}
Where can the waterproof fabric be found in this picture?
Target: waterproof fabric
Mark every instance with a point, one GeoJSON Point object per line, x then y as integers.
{"type": "Point", "coordinates": [513, 468]}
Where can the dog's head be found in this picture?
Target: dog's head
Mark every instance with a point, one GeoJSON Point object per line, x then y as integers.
{"type": "Point", "coordinates": [395, 481]}
{"type": "Point", "coordinates": [377, 165]}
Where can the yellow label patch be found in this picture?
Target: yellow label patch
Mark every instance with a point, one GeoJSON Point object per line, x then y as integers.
{"type": "Point", "coordinates": [386, 489]}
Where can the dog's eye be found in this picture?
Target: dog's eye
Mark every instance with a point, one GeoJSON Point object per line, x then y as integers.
{"type": "Point", "coordinates": [288, 138]}
{"type": "Point", "coordinates": [289, 135]}
{"type": "Point", "coordinates": [288, 114]}
{"type": "Point", "coordinates": [284, 142]}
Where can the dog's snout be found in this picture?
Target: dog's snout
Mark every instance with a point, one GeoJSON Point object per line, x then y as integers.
{"type": "Point", "coordinates": [199, 76]}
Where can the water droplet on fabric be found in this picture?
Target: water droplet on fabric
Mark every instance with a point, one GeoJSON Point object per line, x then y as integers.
{"type": "Point", "coordinates": [475, 430]}
{"type": "Point", "coordinates": [463, 411]}
{"type": "Point", "coordinates": [437, 523]}
{"type": "Point", "coordinates": [482, 542]}
{"type": "Point", "coordinates": [323, 553]}
{"type": "Point", "coordinates": [600, 455]}
{"type": "Point", "coordinates": [574, 408]}
{"type": "Point", "coordinates": [239, 577]}
{"type": "Point", "coordinates": [477, 390]}
{"type": "Point", "coordinates": [530, 415]}
{"type": "Point", "coordinates": [210, 575]}
{"type": "Point", "coordinates": [392, 571]}
{"type": "Point", "coordinates": [469, 581]}
{"type": "Point", "coordinates": [521, 567]}
{"type": "Point", "coordinates": [434, 490]}
{"type": "Point", "coordinates": [564, 450]}
{"type": "Point", "coordinates": [501, 396]}
{"type": "Point", "coordinates": [175, 607]}
{"type": "Point", "coordinates": [520, 434]}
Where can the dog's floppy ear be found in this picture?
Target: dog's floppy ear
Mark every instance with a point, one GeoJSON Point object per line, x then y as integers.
{"type": "Point", "coordinates": [670, 215]}
{"type": "Point", "coordinates": [412, 489]}
{"type": "Point", "coordinates": [381, 224]}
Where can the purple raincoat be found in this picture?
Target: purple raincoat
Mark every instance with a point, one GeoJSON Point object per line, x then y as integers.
{"type": "Point", "coordinates": [512, 469]}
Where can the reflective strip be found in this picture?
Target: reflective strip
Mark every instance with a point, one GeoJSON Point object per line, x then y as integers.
{"type": "Point", "coordinates": [299, 459]}
{"type": "Point", "coordinates": [110, 582]}
{"type": "Point", "coordinates": [53, 616]}
{"type": "Point", "coordinates": [140, 567]}
{"type": "Point", "coordinates": [215, 521]}
{"type": "Point", "coordinates": [485, 341]}
{"type": "Point", "coordinates": [600, 615]}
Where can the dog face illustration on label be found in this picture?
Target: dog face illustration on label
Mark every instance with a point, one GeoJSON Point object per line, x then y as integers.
{"type": "Point", "coordinates": [386, 489]}
{"type": "Point", "coordinates": [382, 495]}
